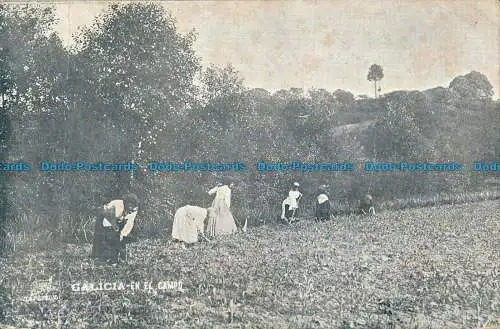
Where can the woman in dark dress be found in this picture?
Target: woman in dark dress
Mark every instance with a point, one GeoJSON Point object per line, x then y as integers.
{"type": "Point", "coordinates": [322, 205]}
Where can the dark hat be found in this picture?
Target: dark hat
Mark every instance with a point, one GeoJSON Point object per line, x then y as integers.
{"type": "Point", "coordinates": [131, 200]}
{"type": "Point", "coordinates": [323, 188]}
{"type": "Point", "coordinates": [227, 180]}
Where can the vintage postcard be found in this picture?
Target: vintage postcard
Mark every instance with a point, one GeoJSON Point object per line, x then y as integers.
{"type": "Point", "coordinates": [250, 164]}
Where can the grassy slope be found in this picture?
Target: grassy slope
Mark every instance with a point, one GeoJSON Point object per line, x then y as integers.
{"type": "Point", "coordinates": [420, 268]}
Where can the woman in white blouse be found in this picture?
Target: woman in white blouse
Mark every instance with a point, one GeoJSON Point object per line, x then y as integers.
{"type": "Point", "coordinates": [189, 223]}
{"type": "Point", "coordinates": [224, 222]}
{"type": "Point", "coordinates": [290, 205]}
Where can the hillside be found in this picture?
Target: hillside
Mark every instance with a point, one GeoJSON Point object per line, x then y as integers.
{"type": "Point", "coordinates": [351, 129]}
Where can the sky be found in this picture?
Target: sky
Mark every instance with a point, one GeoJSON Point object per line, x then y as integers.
{"type": "Point", "coordinates": [331, 44]}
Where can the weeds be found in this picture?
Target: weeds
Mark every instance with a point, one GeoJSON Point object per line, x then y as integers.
{"type": "Point", "coordinates": [416, 268]}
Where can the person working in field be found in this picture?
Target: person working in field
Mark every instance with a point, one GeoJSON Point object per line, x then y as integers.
{"type": "Point", "coordinates": [224, 222]}
{"type": "Point", "coordinates": [114, 223]}
{"type": "Point", "coordinates": [189, 223]}
{"type": "Point", "coordinates": [290, 205]}
{"type": "Point", "coordinates": [366, 206]}
{"type": "Point", "coordinates": [322, 205]}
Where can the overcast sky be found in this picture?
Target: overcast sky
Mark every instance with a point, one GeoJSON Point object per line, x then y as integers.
{"type": "Point", "coordinates": [331, 44]}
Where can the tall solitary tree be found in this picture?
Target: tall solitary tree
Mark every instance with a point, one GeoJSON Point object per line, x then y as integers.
{"type": "Point", "coordinates": [375, 73]}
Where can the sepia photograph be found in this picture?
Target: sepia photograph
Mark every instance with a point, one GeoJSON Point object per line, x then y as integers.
{"type": "Point", "coordinates": [301, 164]}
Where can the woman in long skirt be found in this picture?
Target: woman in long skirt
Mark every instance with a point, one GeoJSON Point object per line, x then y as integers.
{"type": "Point", "coordinates": [224, 222]}
{"type": "Point", "coordinates": [212, 219]}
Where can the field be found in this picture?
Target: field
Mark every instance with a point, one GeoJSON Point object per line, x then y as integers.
{"type": "Point", "coordinates": [435, 267]}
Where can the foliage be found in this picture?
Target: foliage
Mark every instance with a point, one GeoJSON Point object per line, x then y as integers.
{"type": "Point", "coordinates": [141, 68]}
{"type": "Point", "coordinates": [397, 134]}
{"type": "Point", "coordinates": [344, 97]}
{"type": "Point", "coordinates": [375, 73]}
{"type": "Point", "coordinates": [472, 85]}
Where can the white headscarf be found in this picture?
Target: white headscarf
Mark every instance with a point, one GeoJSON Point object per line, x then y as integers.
{"type": "Point", "coordinates": [322, 198]}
